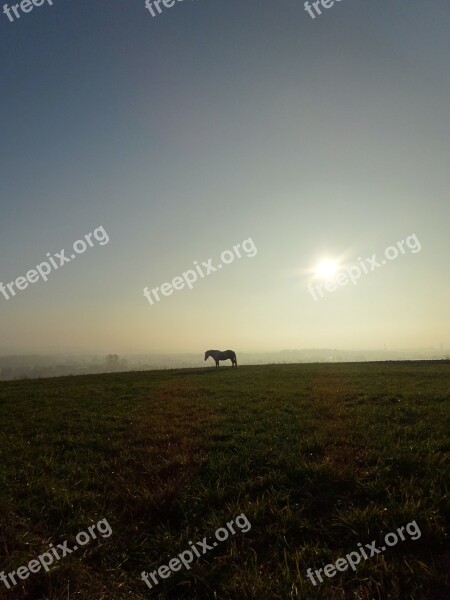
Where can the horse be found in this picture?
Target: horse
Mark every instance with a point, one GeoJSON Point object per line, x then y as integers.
{"type": "Point", "coordinates": [218, 355]}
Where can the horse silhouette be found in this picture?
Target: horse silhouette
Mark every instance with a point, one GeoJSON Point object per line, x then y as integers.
{"type": "Point", "coordinates": [218, 355]}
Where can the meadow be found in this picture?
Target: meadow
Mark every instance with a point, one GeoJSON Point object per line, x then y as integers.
{"type": "Point", "coordinates": [318, 457]}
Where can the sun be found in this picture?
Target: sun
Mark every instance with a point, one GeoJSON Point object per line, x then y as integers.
{"type": "Point", "coordinates": [326, 269]}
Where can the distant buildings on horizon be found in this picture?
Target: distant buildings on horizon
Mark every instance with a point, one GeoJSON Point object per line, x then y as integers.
{"type": "Point", "coordinates": [39, 366]}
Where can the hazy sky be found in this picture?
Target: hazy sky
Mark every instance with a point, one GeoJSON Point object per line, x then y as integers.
{"type": "Point", "coordinates": [215, 122]}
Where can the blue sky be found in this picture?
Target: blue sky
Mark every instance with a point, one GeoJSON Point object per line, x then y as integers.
{"type": "Point", "coordinates": [187, 133]}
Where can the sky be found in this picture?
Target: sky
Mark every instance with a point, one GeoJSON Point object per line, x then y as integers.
{"type": "Point", "coordinates": [185, 134]}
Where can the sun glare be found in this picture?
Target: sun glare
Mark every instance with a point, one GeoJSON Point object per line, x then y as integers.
{"type": "Point", "coordinates": [326, 269]}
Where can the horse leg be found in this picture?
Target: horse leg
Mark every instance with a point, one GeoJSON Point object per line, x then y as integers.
{"type": "Point", "coordinates": [217, 363]}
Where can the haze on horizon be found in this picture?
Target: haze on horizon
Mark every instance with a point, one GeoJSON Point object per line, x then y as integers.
{"type": "Point", "coordinates": [183, 135]}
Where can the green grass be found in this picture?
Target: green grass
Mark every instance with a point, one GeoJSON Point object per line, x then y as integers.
{"type": "Point", "coordinates": [318, 457]}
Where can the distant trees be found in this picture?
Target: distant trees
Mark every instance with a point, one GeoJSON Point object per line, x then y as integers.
{"type": "Point", "coordinates": [115, 363]}
{"type": "Point", "coordinates": [112, 360]}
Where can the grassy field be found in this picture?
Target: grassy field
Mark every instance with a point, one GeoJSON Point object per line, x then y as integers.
{"type": "Point", "coordinates": [318, 457]}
